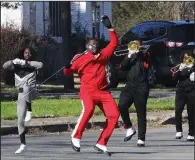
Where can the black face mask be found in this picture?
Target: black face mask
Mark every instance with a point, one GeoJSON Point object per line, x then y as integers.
{"type": "Point", "coordinates": [93, 48]}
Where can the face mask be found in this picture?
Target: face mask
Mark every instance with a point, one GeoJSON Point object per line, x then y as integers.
{"type": "Point", "coordinates": [93, 48]}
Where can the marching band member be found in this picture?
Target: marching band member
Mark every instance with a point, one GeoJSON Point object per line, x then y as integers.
{"type": "Point", "coordinates": [185, 95]}
{"type": "Point", "coordinates": [25, 69]}
{"type": "Point", "coordinates": [93, 91]}
{"type": "Point", "coordinates": [135, 91]}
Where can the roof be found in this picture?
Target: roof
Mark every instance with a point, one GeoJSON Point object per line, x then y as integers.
{"type": "Point", "coordinates": [170, 22]}
{"type": "Point", "coordinates": [183, 22]}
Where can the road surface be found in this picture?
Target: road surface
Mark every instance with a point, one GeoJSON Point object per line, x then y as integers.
{"type": "Point", "coordinates": [160, 144]}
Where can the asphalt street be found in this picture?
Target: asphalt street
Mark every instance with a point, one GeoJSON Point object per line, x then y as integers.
{"type": "Point", "coordinates": [160, 144]}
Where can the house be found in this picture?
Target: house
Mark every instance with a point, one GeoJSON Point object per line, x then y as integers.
{"type": "Point", "coordinates": [43, 17]}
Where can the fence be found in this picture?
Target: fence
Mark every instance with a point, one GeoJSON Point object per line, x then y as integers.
{"type": "Point", "coordinates": [49, 51]}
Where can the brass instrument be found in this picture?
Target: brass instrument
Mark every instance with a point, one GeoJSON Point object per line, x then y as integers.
{"type": "Point", "coordinates": [189, 62]}
{"type": "Point", "coordinates": [133, 46]}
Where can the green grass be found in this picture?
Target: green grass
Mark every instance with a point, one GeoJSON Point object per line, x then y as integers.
{"type": "Point", "coordinates": [68, 107]}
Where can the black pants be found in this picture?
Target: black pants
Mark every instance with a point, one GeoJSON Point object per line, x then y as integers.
{"type": "Point", "coordinates": [184, 98]}
{"type": "Point", "coordinates": [138, 96]}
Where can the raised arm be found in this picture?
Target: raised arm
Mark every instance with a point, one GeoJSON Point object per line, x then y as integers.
{"type": "Point", "coordinates": [183, 73]}
{"type": "Point", "coordinates": [130, 59]}
{"type": "Point", "coordinates": [108, 51]}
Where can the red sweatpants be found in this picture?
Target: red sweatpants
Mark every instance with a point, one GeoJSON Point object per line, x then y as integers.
{"type": "Point", "coordinates": [105, 101]}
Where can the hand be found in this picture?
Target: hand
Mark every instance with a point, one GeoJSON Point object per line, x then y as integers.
{"type": "Point", "coordinates": [182, 66]}
{"type": "Point", "coordinates": [130, 54]}
{"type": "Point", "coordinates": [19, 61]}
{"type": "Point", "coordinates": [68, 66]}
{"type": "Point", "coordinates": [106, 21]}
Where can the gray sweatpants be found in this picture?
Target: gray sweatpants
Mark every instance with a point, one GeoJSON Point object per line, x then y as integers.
{"type": "Point", "coordinates": [22, 107]}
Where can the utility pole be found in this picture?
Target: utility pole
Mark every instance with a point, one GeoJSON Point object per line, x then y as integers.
{"type": "Point", "coordinates": [93, 18]}
{"type": "Point", "coordinates": [98, 22]}
{"type": "Point", "coordinates": [65, 29]}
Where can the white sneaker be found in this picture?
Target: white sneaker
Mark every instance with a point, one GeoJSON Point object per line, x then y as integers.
{"type": "Point", "coordinates": [140, 143]}
{"type": "Point", "coordinates": [76, 142]}
{"type": "Point", "coordinates": [179, 135]}
{"type": "Point", "coordinates": [190, 138]}
{"type": "Point", "coordinates": [129, 134]}
{"type": "Point", "coordinates": [101, 147]}
{"type": "Point", "coordinates": [21, 149]}
{"type": "Point", "coordinates": [28, 116]}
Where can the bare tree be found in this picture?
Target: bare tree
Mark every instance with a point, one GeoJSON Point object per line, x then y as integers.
{"type": "Point", "coordinates": [127, 14]}
{"type": "Point", "coordinates": [13, 5]}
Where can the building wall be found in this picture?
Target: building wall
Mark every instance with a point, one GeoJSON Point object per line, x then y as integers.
{"type": "Point", "coordinates": [86, 18]}
{"type": "Point", "coordinates": [36, 18]}
{"type": "Point", "coordinates": [106, 9]}
{"type": "Point", "coordinates": [39, 18]}
{"type": "Point", "coordinates": [26, 15]}
{"type": "Point", "coordinates": [80, 13]}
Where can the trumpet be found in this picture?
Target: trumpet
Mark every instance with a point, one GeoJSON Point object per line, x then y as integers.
{"type": "Point", "coordinates": [133, 46]}
{"type": "Point", "coordinates": [188, 62]}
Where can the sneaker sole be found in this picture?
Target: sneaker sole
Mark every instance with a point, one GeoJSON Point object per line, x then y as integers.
{"type": "Point", "coordinates": [129, 137]}
{"type": "Point", "coordinates": [141, 145]}
{"type": "Point", "coordinates": [99, 150]}
{"type": "Point", "coordinates": [75, 148]}
{"type": "Point", "coordinates": [179, 137]}
{"type": "Point", "coordinates": [21, 151]}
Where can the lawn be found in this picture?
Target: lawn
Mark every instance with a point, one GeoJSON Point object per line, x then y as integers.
{"type": "Point", "coordinates": [66, 107]}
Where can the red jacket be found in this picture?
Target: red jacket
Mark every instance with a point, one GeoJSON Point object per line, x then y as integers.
{"type": "Point", "coordinates": [91, 68]}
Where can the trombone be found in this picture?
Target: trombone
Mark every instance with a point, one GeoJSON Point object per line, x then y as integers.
{"type": "Point", "coordinates": [188, 62]}
{"type": "Point", "coordinates": [133, 46]}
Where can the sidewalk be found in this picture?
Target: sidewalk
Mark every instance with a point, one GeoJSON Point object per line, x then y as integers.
{"type": "Point", "coordinates": [63, 124]}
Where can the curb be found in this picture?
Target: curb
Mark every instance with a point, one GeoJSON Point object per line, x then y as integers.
{"type": "Point", "coordinates": [68, 127]}
{"type": "Point", "coordinates": [53, 128]}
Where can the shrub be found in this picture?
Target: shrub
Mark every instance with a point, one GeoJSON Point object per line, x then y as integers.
{"type": "Point", "coordinates": [12, 40]}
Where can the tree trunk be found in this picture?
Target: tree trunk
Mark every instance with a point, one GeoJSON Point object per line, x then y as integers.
{"type": "Point", "coordinates": [65, 28]}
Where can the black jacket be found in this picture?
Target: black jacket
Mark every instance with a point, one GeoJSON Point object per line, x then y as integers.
{"type": "Point", "coordinates": [184, 81]}
{"type": "Point", "coordinates": [136, 72]}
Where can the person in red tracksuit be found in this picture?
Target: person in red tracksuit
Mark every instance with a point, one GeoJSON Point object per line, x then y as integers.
{"type": "Point", "coordinates": [90, 67]}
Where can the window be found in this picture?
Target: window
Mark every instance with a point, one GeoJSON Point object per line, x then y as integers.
{"type": "Point", "coordinates": [135, 30]}
{"type": "Point", "coordinates": [182, 33]}
{"type": "Point", "coordinates": [161, 31]}
{"type": "Point", "coordinates": [129, 36]}
{"type": "Point", "coordinates": [146, 33]}
{"type": "Point", "coordinates": [54, 14]}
